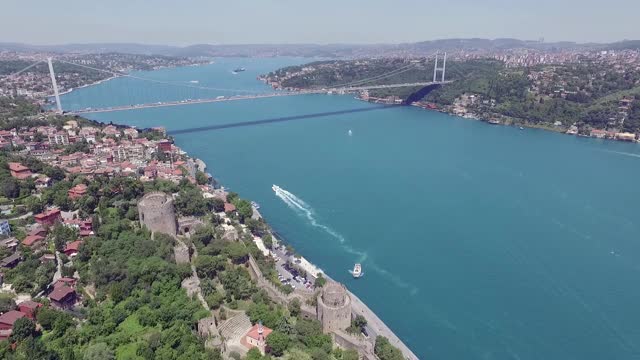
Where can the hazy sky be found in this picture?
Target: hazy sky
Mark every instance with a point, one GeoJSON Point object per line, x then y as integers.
{"type": "Point", "coordinates": [182, 22]}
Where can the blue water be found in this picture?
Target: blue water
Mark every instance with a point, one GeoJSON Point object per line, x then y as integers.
{"type": "Point", "coordinates": [478, 241]}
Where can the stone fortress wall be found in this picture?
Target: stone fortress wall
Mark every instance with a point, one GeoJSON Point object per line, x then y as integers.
{"type": "Point", "coordinates": [333, 310]}
{"type": "Point", "coordinates": [334, 307]}
{"type": "Point", "coordinates": [157, 213]}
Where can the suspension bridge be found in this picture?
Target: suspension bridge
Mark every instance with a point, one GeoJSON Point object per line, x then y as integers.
{"type": "Point", "coordinates": [355, 86]}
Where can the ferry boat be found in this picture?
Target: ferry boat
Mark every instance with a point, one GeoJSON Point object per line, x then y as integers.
{"type": "Point", "coordinates": [357, 271]}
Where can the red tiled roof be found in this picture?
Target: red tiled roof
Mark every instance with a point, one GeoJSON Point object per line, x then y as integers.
{"type": "Point", "coordinates": [13, 166]}
{"type": "Point", "coordinates": [61, 292]}
{"type": "Point", "coordinates": [73, 246]}
{"type": "Point", "coordinates": [47, 213]}
{"type": "Point", "coordinates": [30, 304]}
{"type": "Point", "coordinates": [31, 239]}
{"type": "Point", "coordinates": [228, 207]}
{"type": "Point", "coordinates": [65, 281]}
{"type": "Point", "coordinates": [10, 317]}
{"type": "Point", "coordinates": [85, 233]}
{"type": "Point", "coordinates": [253, 332]}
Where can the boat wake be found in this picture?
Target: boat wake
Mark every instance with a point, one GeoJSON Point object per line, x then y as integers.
{"type": "Point", "coordinates": [307, 211]}
{"type": "Point", "coordinates": [303, 209]}
{"type": "Point", "coordinates": [622, 153]}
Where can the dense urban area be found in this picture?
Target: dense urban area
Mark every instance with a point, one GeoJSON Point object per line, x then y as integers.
{"type": "Point", "coordinates": [115, 243]}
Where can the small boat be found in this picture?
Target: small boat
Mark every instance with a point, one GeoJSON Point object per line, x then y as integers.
{"type": "Point", "coordinates": [194, 81]}
{"type": "Point", "coordinates": [255, 205]}
{"type": "Point", "coordinates": [357, 271]}
{"type": "Point", "coordinates": [239, 70]}
{"type": "Point", "coordinates": [521, 128]}
{"type": "Point", "coordinates": [350, 132]}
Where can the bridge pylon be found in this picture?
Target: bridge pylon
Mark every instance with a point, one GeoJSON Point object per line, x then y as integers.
{"type": "Point", "coordinates": [441, 69]}
{"type": "Point", "coordinates": [55, 85]}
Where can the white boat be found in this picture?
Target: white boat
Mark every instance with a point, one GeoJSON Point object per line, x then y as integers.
{"type": "Point", "coordinates": [357, 271]}
{"type": "Point", "coordinates": [350, 132]}
{"type": "Point", "coordinates": [194, 81]}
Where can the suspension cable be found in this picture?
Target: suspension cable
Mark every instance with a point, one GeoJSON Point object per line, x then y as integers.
{"type": "Point", "coordinates": [157, 81]}
{"type": "Point", "coordinates": [377, 77]}
{"type": "Point", "coordinates": [23, 70]}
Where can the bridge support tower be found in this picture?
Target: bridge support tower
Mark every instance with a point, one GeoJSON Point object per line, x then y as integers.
{"type": "Point", "coordinates": [55, 85]}
{"type": "Point", "coordinates": [441, 69]}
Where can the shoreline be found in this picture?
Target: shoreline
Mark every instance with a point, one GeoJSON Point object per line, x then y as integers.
{"type": "Point", "coordinates": [358, 307]}
{"type": "Point", "coordinates": [123, 75]}
{"type": "Point", "coordinates": [88, 85]}
{"type": "Point", "coordinates": [503, 121]}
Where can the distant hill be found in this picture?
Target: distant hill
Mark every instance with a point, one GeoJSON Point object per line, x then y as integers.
{"type": "Point", "coordinates": [315, 50]}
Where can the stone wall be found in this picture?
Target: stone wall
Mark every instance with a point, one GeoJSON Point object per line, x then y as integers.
{"type": "Point", "coordinates": [347, 341]}
{"type": "Point", "coordinates": [189, 225]}
{"type": "Point", "coordinates": [274, 292]}
{"type": "Point", "coordinates": [334, 308]}
{"type": "Point", "coordinates": [157, 213]}
{"type": "Point", "coordinates": [208, 330]}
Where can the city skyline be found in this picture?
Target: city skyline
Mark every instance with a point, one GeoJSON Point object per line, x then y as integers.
{"type": "Point", "coordinates": [286, 22]}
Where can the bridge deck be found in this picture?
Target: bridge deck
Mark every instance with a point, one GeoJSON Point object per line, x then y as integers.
{"type": "Point", "coordinates": [248, 97]}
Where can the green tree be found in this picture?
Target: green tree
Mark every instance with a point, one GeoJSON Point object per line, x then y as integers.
{"type": "Point", "coordinates": [350, 354]}
{"type": "Point", "coordinates": [294, 307]}
{"type": "Point", "coordinates": [237, 252]}
{"type": "Point", "coordinates": [253, 354]}
{"type": "Point", "coordinates": [215, 299]}
{"type": "Point", "coordinates": [201, 178]}
{"type": "Point", "coordinates": [98, 351]}
{"type": "Point", "coordinates": [208, 266]}
{"type": "Point", "coordinates": [268, 241]}
{"type": "Point", "coordinates": [34, 204]}
{"type": "Point", "coordinates": [23, 328]}
{"type": "Point", "coordinates": [244, 209]}
{"type": "Point", "coordinates": [218, 204]}
{"type": "Point", "coordinates": [6, 302]}
{"type": "Point", "coordinates": [385, 351]}
{"type": "Point", "coordinates": [278, 343]}
{"type": "Point", "coordinates": [61, 235]}
{"type": "Point", "coordinates": [47, 317]}
{"type": "Point", "coordinates": [360, 322]}
{"type": "Point", "coordinates": [10, 188]}
{"type": "Point", "coordinates": [320, 281]}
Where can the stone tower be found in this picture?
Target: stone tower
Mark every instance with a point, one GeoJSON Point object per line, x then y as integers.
{"type": "Point", "coordinates": [156, 212]}
{"type": "Point", "coordinates": [334, 307]}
